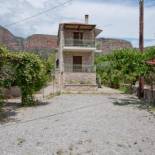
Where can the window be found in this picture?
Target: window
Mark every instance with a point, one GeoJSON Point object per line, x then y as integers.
{"type": "Point", "coordinates": [78, 37]}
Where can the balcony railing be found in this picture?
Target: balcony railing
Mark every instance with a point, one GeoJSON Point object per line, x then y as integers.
{"type": "Point", "coordinates": [80, 68]}
{"type": "Point", "coordinates": [80, 43]}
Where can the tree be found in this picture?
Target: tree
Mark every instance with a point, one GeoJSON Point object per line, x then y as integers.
{"type": "Point", "coordinates": [30, 73]}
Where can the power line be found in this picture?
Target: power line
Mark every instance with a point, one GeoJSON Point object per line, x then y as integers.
{"type": "Point", "coordinates": [38, 14]}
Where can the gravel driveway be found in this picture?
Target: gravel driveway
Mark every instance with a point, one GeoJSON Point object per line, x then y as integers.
{"type": "Point", "coordinates": [80, 125]}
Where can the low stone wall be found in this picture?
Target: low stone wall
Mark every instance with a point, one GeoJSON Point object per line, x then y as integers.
{"type": "Point", "coordinates": [80, 78]}
{"type": "Point", "coordinates": [149, 95]}
{"type": "Point", "coordinates": [12, 92]}
{"type": "Point", "coordinates": [80, 87]}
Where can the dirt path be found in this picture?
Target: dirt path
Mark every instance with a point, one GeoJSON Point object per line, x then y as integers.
{"type": "Point", "coordinates": [80, 125]}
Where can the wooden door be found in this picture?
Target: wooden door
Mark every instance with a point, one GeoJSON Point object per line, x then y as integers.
{"type": "Point", "coordinates": [77, 63]}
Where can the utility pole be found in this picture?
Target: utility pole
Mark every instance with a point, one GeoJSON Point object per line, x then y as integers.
{"type": "Point", "coordinates": [141, 44]}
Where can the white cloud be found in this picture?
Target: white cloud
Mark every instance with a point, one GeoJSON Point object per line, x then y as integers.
{"type": "Point", "coordinates": [37, 3]}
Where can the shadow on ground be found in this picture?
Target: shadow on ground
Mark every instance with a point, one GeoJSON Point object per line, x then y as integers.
{"type": "Point", "coordinates": [141, 104]}
{"type": "Point", "coordinates": [10, 109]}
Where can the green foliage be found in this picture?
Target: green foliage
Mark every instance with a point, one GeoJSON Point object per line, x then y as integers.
{"type": "Point", "coordinates": [123, 66]}
{"type": "Point", "coordinates": [26, 70]}
{"type": "Point", "coordinates": [31, 75]}
{"type": "Point", "coordinates": [2, 53]}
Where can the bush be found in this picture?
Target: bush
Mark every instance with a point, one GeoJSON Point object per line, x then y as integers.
{"type": "Point", "coordinates": [2, 62]}
{"type": "Point", "coordinates": [123, 66]}
{"type": "Point", "coordinates": [29, 73]}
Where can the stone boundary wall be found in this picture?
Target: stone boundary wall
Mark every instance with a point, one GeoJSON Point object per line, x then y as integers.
{"type": "Point", "coordinates": [80, 87]}
{"type": "Point", "coordinates": [80, 78]}
{"type": "Point", "coordinates": [149, 95]}
{"type": "Point", "coordinates": [12, 92]}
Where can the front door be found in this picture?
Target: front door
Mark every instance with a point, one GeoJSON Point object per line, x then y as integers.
{"type": "Point", "coordinates": [77, 63]}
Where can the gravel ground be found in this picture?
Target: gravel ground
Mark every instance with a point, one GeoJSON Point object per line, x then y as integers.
{"type": "Point", "coordinates": [80, 125]}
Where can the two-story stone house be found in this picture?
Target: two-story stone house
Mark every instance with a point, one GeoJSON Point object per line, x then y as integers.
{"type": "Point", "coordinates": [75, 57]}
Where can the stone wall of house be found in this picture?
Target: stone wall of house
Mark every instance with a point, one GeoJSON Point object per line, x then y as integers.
{"type": "Point", "coordinates": [79, 79]}
{"type": "Point", "coordinates": [87, 57]}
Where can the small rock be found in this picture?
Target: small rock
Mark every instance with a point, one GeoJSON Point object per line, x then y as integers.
{"type": "Point", "coordinates": [45, 128]}
{"type": "Point", "coordinates": [107, 142]}
{"type": "Point", "coordinates": [59, 152]}
{"type": "Point", "coordinates": [71, 147]}
{"type": "Point", "coordinates": [85, 131]}
{"type": "Point", "coordinates": [20, 141]}
{"type": "Point", "coordinates": [120, 145]}
{"type": "Point", "coordinates": [80, 142]}
{"type": "Point", "coordinates": [89, 140]}
{"type": "Point", "coordinates": [38, 143]}
{"type": "Point", "coordinates": [88, 152]}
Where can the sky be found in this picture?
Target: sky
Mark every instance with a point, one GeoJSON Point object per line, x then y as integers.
{"type": "Point", "coordinates": [117, 18]}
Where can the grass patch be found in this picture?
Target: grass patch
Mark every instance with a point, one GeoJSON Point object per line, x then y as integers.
{"type": "Point", "coordinates": [53, 95]}
{"type": "Point", "coordinates": [126, 89]}
{"type": "Point", "coordinates": [152, 109]}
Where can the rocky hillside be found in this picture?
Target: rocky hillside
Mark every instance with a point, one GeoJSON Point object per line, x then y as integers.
{"type": "Point", "coordinates": [9, 40]}
{"type": "Point", "coordinates": [38, 43]}
{"type": "Point", "coordinates": [44, 44]}
{"type": "Point", "coordinates": [107, 45]}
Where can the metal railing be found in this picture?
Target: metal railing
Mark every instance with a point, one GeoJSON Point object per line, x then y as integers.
{"type": "Point", "coordinates": [80, 68]}
{"type": "Point", "coordinates": [80, 43]}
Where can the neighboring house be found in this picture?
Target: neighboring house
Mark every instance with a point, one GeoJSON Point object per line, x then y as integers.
{"type": "Point", "coordinates": [75, 57]}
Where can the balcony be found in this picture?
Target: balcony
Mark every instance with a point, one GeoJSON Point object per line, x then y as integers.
{"type": "Point", "coordinates": [79, 43]}
{"type": "Point", "coordinates": [80, 68]}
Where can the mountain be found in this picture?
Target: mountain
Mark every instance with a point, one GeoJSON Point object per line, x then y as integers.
{"type": "Point", "coordinates": [107, 45]}
{"type": "Point", "coordinates": [38, 43]}
{"type": "Point", "coordinates": [44, 44]}
{"type": "Point", "coordinates": [41, 44]}
{"type": "Point", "coordinates": [9, 40]}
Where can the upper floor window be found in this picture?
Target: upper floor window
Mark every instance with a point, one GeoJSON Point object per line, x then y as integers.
{"type": "Point", "coordinates": [78, 35]}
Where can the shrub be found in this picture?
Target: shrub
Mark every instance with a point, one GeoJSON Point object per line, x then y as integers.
{"type": "Point", "coordinates": [123, 66]}
{"type": "Point", "coordinates": [29, 73]}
